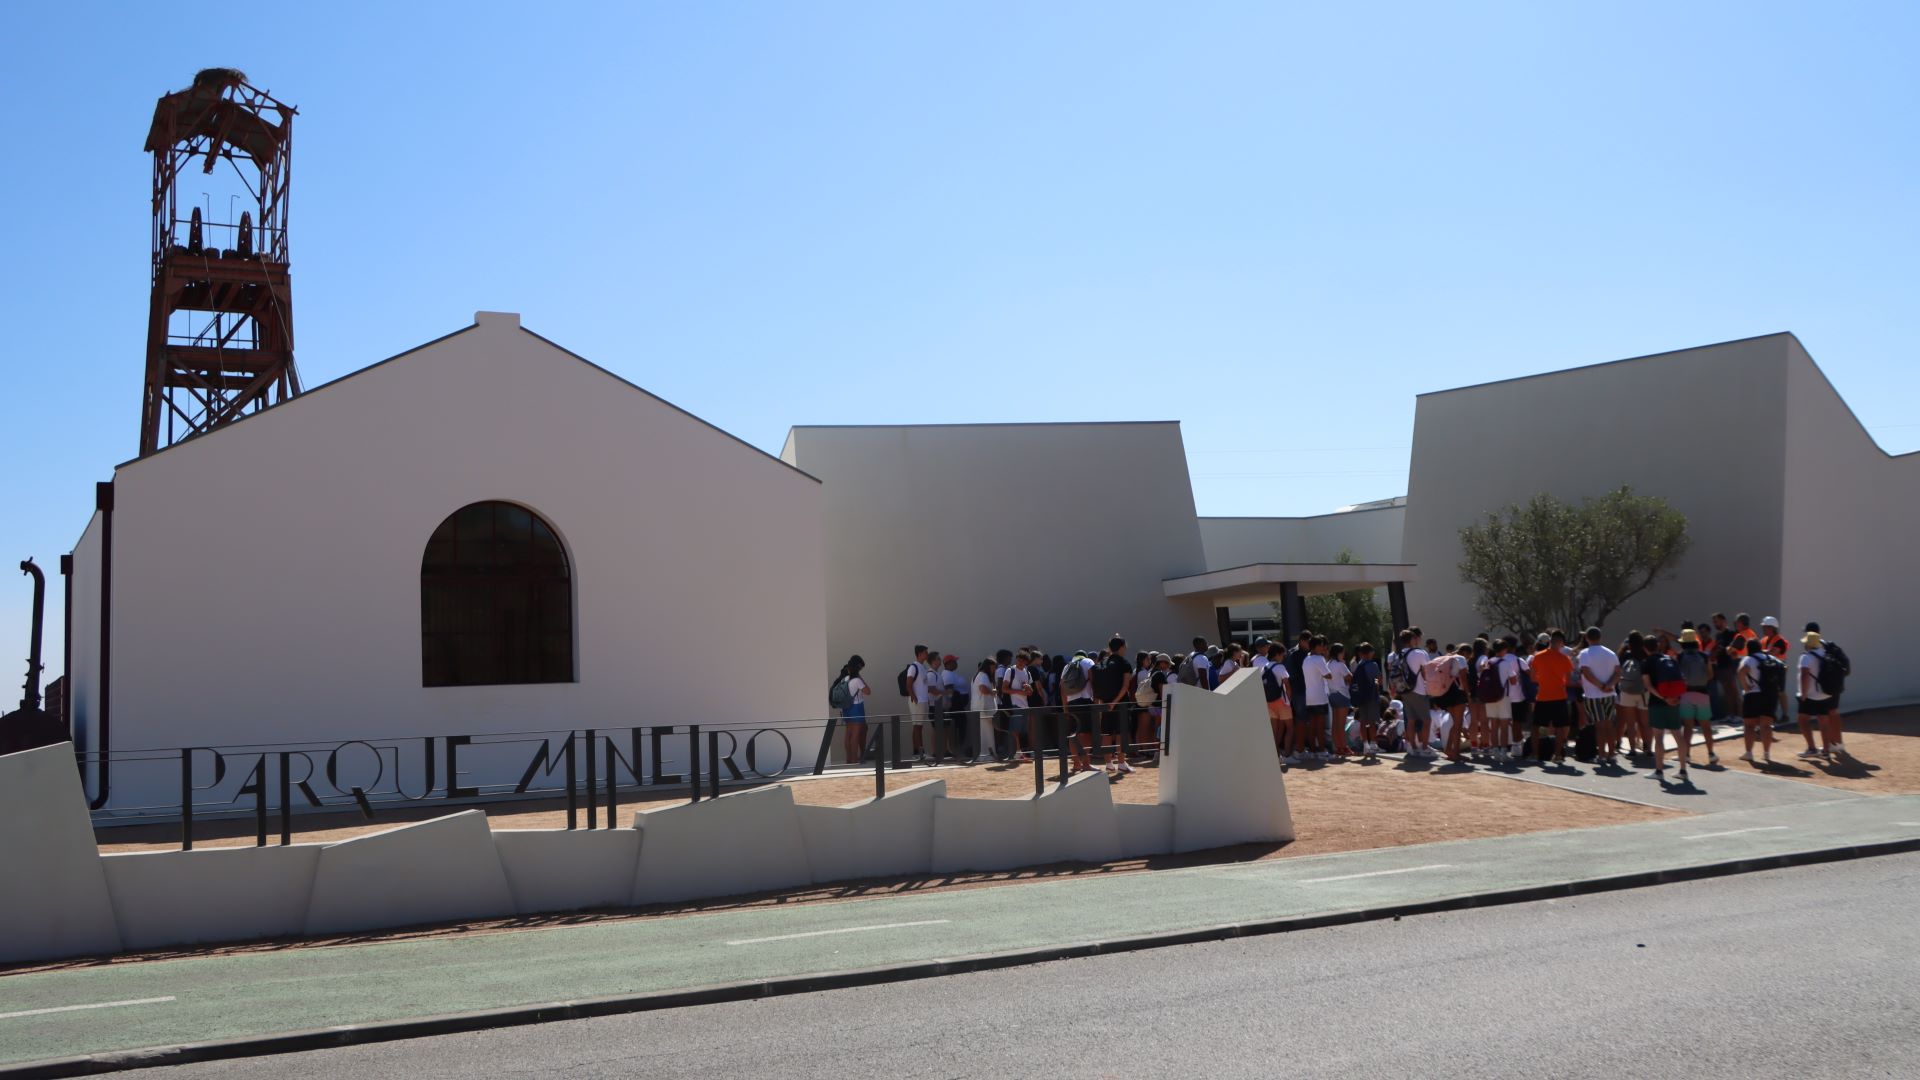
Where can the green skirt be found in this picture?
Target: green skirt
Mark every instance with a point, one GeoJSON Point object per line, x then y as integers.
{"type": "Point", "coordinates": [1663, 716]}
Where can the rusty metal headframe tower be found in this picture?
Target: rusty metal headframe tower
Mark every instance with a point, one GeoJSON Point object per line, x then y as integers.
{"type": "Point", "coordinates": [220, 331]}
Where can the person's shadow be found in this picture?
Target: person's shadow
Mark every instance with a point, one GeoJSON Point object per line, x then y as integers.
{"type": "Point", "coordinates": [1846, 768]}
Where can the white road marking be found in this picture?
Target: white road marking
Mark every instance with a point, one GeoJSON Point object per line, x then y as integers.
{"type": "Point", "coordinates": [1378, 873]}
{"type": "Point", "coordinates": [1909, 824]}
{"type": "Point", "coordinates": [77, 1008]}
{"type": "Point", "coordinates": [842, 930]}
{"type": "Point", "coordinates": [1735, 832]}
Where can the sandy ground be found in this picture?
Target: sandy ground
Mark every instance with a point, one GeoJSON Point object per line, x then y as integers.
{"type": "Point", "coordinates": [1883, 754]}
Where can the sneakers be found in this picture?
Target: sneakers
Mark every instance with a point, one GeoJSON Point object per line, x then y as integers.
{"type": "Point", "coordinates": [1125, 767]}
{"type": "Point", "coordinates": [1808, 755]}
{"type": "Point", "coordinates": [1291, 759]}
{"type": "Point", "coordinates": [1713, 758]}
{"type": "Point", "coordinates": [1837, 750]}
{"type": "Point", "coordinates": [1747, 757]}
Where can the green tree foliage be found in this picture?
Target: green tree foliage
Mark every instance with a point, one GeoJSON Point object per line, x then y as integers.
{"type": "Point", "coordinates": [1550, 563]}
{"type": "Point", "coordinates": [1349, 617]}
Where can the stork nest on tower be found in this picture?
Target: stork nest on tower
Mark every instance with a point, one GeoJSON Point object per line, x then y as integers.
{"type": "Point", "coordinates": [219, 76]}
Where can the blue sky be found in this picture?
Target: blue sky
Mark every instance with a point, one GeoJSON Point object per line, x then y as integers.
{"type": "Point", "coordinates": [1273, 222]}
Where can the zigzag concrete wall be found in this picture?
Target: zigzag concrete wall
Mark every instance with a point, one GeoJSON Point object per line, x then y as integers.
{"type": "Point", "coordinates": [60, 897]}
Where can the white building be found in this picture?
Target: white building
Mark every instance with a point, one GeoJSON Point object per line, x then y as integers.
{"type": "Point", "coordinates": [486, 534]}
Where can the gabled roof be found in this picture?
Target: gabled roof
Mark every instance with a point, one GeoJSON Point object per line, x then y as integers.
{"type": "Point", "coordinates": [478, 318]}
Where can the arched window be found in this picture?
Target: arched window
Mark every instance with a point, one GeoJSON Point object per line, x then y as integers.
{"type": "Point", "coordinates": [496, 600]}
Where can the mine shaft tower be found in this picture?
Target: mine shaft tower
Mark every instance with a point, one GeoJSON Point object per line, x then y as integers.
{"type": "Point", "coordinates": [220, 330]}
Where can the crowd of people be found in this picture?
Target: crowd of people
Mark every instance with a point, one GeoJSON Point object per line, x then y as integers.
{"type": "Point", "coordinates": [1497, 699]}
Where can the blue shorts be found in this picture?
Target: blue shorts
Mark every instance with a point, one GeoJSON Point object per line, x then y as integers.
{"type": "Point", "coordinates": [1339, 701]}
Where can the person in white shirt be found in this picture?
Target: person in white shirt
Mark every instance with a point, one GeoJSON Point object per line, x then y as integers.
{"type": "Point", "coordinates": [920, 695]}
{"type": "Point", "coordinates": [1816, 705]}
{"type": "Point", "coordinates": [1756, 702]}
{"type": "Point", "coordinates": [1279, 709]}
{"type": "Point", "coordinates": [1339, 697]}
{"type": "Point", "coordinates": [1229, 663]}
{"type": "Point", "coordinates": [1319, 683]}
{"type": "Point", "coordinates": [1202, 667]}
{"type": "Point", "coordinates": [1599, 669]}
{"type": "Point", "coordinates": [1076, 684]}
{"type": "Point", "coordinates": [1018, 686]}
{"type": "Point", "coordinates": [854, 717]}
{"type": "Point", "coordinates": [1416, 707]}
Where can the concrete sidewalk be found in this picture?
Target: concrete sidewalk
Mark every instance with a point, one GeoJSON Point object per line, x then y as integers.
{"type": "Point", "coordinates": [66, 1013]}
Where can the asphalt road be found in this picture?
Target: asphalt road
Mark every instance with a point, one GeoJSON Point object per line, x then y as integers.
{"type": "Point", "coordinates": [1806, 972]}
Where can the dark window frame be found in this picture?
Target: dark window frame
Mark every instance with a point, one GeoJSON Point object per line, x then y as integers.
{"type": "Point", "coordinates": [496, 600]}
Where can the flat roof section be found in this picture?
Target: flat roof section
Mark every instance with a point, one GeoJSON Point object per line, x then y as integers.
{"type": "Point", "coordinates": [1260, 582]}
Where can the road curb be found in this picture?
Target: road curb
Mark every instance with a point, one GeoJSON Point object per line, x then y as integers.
{"type": "Point", "coordinates": [456, 1023]}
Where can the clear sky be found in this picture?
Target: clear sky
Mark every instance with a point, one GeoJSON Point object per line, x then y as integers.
{"type": "Point", "coordinates": [1273, 222]}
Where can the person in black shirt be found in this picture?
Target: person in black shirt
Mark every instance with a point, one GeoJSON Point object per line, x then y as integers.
{"type": "Point", "coordinates": [1297, 690]}
{"type": "Point", "coordinates": [1112, 685]}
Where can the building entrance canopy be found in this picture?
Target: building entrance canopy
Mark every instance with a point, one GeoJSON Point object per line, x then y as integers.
{"type": "Point", "coordinates": [1290, 583]}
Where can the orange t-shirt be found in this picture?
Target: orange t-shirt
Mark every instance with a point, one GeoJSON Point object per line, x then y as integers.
{"type": "Point", "coordinates": [1551, 669]}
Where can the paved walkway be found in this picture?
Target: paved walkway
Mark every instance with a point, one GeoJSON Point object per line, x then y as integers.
{"type": "Point", "coordinates": [90, 1010]}
{"type": "Point", "coordinates": [1707, 790]}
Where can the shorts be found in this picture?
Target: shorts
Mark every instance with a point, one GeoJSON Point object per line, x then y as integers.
{"type": "Point", "coordinates": [1017, 718]}
{"type": "Point", "coordinates": [1551, 714]}
{"type": "Point", "coordinates": [1418, 707]}
{"type": "Point", "coordinates": [1080, 716]}
{"type": "Point", "coordinates": [1522, 713]}
{"type": "Point", "coordinates": [1757, 706]}
{"type": "Point", "coordinates": [916, 711]}
{"type": "Point", "coordinates": [1113, 719]}
{"type": "Point", "coordinates": [1340, 701]}
{"type": "Point", "coordinates": [1278, 709]}
{"type": "Point", "coordinates": [1453, 698]}
{"type": "Point", "coordinates": [1500, 710]}
{"type": "Point", "coordinates": [1695, 707]}
{"type": "Point", "coordinates": [1368, 711]}
{"type": "Point", "coordinates": [1662, 715]}
{"type": "Point", "coordinates": [1633, 701]}
{"type": "Point", "coordinates": [1816, 706]}
{"type": "Point", "coordinates": [1599, 710]}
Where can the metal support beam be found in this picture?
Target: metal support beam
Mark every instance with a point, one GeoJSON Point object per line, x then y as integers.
{"type": "Point", "coordinates": [1223, 625]}
{"type": "Point", "coordinates": [1397, 604]}
{"type": "Point", "coordinates": [1293, 611]}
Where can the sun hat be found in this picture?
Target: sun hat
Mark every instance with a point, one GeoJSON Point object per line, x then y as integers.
{"type": "Point", "coordinates": [1811, 640]}
{"type": "Point", "coordinates": [1688, 637]}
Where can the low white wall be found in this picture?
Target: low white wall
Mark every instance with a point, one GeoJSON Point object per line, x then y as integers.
{"type": "Point", "coordinates": [1221, 773]}
{"type": "Point", "coordinates": [1145, 828]}
{"type": "Point", "coordinates": [53, 892]}
{"type": "Point", "coordinates": [742, 842]}
{"type": "Point", "coordinates": [568, 870]}
{"type": "Point", "coordinates": [164, 898]}
{"type": "Point", "coordinates": [1071, 823]}
{"type": "Point", "coordinates": [436, 871]}
{"type": "Point", "coordinates": [872, 838]}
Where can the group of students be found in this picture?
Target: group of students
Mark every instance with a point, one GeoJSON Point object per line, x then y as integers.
{"type": "Point", "coordinates": [1493, 698]}
{"type": "Point", "coordinates": [1104, 704]}
{"type": "Point", "coordinates": [1498, 700]}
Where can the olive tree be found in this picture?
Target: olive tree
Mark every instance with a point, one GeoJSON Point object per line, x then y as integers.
{"type": "Point", "coordinates": [1547, 562]}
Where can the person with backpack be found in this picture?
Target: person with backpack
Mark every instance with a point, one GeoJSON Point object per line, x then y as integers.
{"type": "Point", "coordinates": [1447, 690]}
{"type": "Point", "coordinates": [1630, 695]}
{"type": "Point", "coordinates": [1599, 682]}
{"type": "Point", "coordinates": [1696, 706]}
{"type": "Point", "coordinates": [1365, 693]}
{"type": "Point", "coordinates": [1112, 682]}
{"type": "Point", "coordinates": [1198, 670]}
{"type": "Point", "coordinates": [1665, 688]}
{"type": "Point", "coordinates": [1018, 686]}
{"type": "Point", "coordinates": [916, 685]}
{"type": "Point", "coordinates": [1403, 682]}
{"type": "Point", "coordinates": [1760, 678]}
{"type": "Point", "coordinates": [1777, 647]}
{"type": "Point", "coordinates": [849, 694]}
{"type": "Point", "coordinates": [1314, 715]}
{"type": "Point", "coordinates": [1273, 683]}
{"type": "Point", "coordinates": [1076, 686]}
{"type": "Point", "coordinates": [1824, 668]}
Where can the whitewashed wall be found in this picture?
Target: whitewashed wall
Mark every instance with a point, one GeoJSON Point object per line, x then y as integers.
{"type": "Point", "coordinates": [1373, 536]}
{"type": "Point", "coordinates": [266, 579]}
{"type": "Point", "coordinates": [1851, 515]}
{"type": "Point", "coordinates": [1065, 565]}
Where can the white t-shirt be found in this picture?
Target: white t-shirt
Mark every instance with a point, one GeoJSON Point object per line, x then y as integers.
{"type": "Point", "coordinates": [1603, 663]}
{"type": "Point", "coordinates": [1086, 692]}
{"type": "Point", "coordinates": [1417, 658]}
{"type": "Point", "coordinates": [857, 688]}
{"type": "Point", "coordinates": [918, 680]}
{"type": "Point", "coordinates": [1018, 681]}
{"type": "Point", "coordinates": [1227, 668]}
{"type": "Point", "coordinates": [1510, 677]}
{"type": "Point", "coordinates": [1342, 683]}
{"type": "Point", "coordinates": [1810, 663]}
{"type": "Point", "coordinates": [1202, 665]}
{"type": "Point", "coordinates": [1260, 662]}
{"type": "Point", "coordinates": [1314, 670]}
{"type": "Point", "coordinates": [985, 697]}
{"type": "Point", "coordinates": [1750, 669]}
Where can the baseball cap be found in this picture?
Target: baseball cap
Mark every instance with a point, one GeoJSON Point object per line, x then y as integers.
{"type": "Point", "coordinates": [1812, 628]}
{"type": "Point", "coordinates": [949, 659]}
{"type": "Point", "coordinates": [1770, 621]}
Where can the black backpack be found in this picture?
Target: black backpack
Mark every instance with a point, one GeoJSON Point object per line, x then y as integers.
{"type": "Point", "coordinates": [1773, 674]}
{"type": "Point", "coordinates": [905, 679]}
{"type": "Point", "coordinates": [1271, 684]}
{"type": "Point", "coordinates": [1834, 669]}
